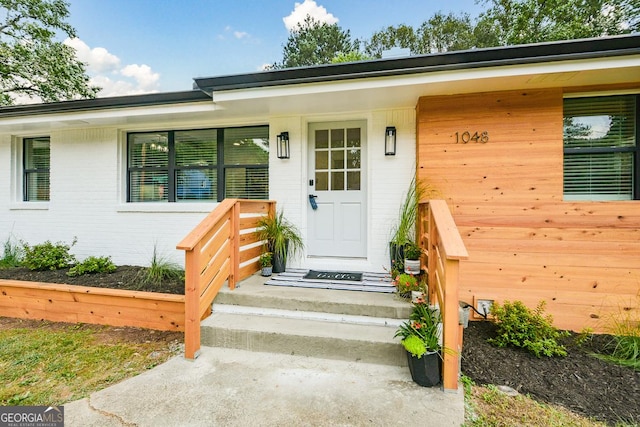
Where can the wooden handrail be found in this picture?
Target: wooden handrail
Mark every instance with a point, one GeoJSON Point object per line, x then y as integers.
{"type": "Point", "coordinates": [439, 234]}
{"type": "Point", "coordinates": [222, 248]}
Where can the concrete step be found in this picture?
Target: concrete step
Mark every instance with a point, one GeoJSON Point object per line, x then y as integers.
{"type": "Point", "coordinates": [323, 338]}
{"type": "Point", "coordinates": [252, 292]}
{"type": "Point", "coordinates": [331, 324]}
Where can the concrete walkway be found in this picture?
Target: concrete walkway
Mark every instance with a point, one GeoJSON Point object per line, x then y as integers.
{"type": "Point", "coordinates": [226, 387]}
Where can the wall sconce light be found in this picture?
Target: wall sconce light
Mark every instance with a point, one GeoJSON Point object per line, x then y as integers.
{"type": "Point", "coordinates": [390, 141]}
{"type": "Point", "coordinates": [283, 145]}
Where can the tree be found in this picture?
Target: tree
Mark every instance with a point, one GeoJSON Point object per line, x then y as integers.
{"type": "Point", "coordinates": [353, 56]}
{"type": "Point", "coordinates": [313, 43]}
{"type": "Point", "coordinates": [32, 62]}
{"type": "Point", "coordinates": [530, 21]}
{"type": "Point", "coordinates": [442, 33]}
{"type": "Point", "coordinates": [402, 36]}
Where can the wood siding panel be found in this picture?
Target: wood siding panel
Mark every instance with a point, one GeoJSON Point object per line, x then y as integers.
{"type": "Point", "coordinates": [524, 242]}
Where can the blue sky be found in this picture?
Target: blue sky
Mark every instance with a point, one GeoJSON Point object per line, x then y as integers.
{"type": "Point", "coordinates": [141, 46]}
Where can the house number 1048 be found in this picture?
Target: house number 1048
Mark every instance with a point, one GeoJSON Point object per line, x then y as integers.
{"type": "Point", "coordinates": [466, 136]}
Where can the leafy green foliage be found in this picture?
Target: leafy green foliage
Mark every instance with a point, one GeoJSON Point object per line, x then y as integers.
{"type": "Point", "coordinates": [423, 325]}
{"type": "Point", "coordinates": [353, 56]}
{"type": "Point", "coordinates": [12, 253]}
{"type": "Point", "coordinates": [32, 62]}
{"type": "Point", "coordinates": [266, 259]}
{"type": "Point", "coordinates": [48, 256]}
{"type": "Point", "coordinates": [519, 326]}
{"type": "Point", "coordinates": [402, 36]}
{"type": "Point", "coordinates": [93, 265]}
{"type": "Point", "coordinates": [313, 42]}
{"type": "Point", "coordinates": [513, 22]}
{"type": "Point", "coordinates": [412, 251]}
{"type": "Point", "coordinates": [414, 345]}
{"type": "Point", "coordinates": [406, 283]}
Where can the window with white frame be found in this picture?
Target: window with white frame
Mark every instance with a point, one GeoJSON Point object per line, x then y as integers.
{"type": "Point", "coordinates": [198, 165]}
{"type": "Point", "coordinates": [36, 163]}
{"type": "Point", "coordinates": [601, 155]}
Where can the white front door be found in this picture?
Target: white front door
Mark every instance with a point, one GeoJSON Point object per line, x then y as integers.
{"type": "Point", "coordinates": [338, 225]}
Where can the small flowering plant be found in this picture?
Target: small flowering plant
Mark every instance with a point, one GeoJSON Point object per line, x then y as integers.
{"type": "Point", "coordinates": [406, 283]}
{"type": "Point", "coordinates": [420, 334]}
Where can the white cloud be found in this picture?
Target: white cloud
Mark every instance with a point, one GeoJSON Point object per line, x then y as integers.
{"type": "Point", "coordinates": [308, 7]}
{"type": "Point", "coordinates": [105, 70]}
{"type": "Point", "coordinates": [146, 78]}
{"type": "Point", "coordinates": [98, 59]}
{"type": "Point", "coordinates": [240, 34]}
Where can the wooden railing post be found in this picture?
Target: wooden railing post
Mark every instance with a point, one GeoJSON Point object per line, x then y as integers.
{"type": "Point", "coordinates": [450, 331]}
{"type": "Point", "coordinates": [192, 304]}
{"type": "Point", "coordinates": [432, 260]}
{"type": "Point", "coordinates": [235, 245]}
{"type": "Point", "coordinates": [445, 249]}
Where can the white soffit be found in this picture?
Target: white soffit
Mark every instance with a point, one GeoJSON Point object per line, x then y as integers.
{"type": "Point", "coordinates": [109, 117]}
{"type": "Point", "coordinates": [404, 90]}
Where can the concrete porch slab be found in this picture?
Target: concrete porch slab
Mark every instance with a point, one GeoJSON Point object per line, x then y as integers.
{"type": "Point", "coordinates": [229, 387]}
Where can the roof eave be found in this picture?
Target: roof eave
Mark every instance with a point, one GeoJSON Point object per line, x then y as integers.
{"type": "Point", "coordinates": [131, 101]}
{"type": "Point", "coordinates": [456, 60]}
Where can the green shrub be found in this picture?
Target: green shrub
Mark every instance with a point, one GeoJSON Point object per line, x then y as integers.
{"type": "Point", "coordinates": [93, 265]}
{"type": "Point", "coordinates": [12, 254]}
{"type": "Point", "coordinates": [48, 256]}
{"type": "Point", "coordinates": [519, 326]}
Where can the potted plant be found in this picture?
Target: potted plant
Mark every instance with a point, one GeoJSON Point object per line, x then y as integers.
{"type": "Point", "coordinates": [265, 263]}
{"type": "Point", "coordinates": [281, 236]}
{"type": "Point", "coordinates": [412, 254]}
{"type": "Point", "coordinates": [406, 283]}
{"type": "Point", "coordinates": [421, 340]}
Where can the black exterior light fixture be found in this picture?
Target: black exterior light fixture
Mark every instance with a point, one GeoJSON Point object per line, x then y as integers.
{"type": "Point", "coordinates": [283, 145]}
{"type": "Point", "coordinates": [390, 141]}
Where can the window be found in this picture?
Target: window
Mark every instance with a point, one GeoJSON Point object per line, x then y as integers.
{"type": "Point", "coordinates": [36, 157]}
{"type": "Point", "coordinates": [601, 155]}
{"type": "Point", "coordinates": [198, 165]}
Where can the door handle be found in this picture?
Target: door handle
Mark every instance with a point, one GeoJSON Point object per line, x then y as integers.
{"type": "Point", "coordinates": [312, 201]}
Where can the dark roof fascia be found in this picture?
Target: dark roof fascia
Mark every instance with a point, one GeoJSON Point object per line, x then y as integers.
{"type": "Point", "coordinates": [455, 60]}
{"type": "Point", "coordinates": [145, 100]}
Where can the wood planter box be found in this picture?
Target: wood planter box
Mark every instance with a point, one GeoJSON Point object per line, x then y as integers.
{"type": "Point", "coordinates": [83, 304]}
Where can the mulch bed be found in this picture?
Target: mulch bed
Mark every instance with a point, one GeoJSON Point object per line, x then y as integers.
{"type": "Point", "coordinates": [580, 382]}
{"type": "Point", "coordinates": [125, 277]}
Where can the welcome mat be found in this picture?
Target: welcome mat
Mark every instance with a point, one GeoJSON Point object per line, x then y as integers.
{"type": "Point", "coordinates": [333, 275]}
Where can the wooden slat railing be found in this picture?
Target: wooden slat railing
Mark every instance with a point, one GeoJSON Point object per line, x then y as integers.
{"type": "Point", "coordinates": [444, 250]}
{"type": "Point", "coordinates": [222, 248]}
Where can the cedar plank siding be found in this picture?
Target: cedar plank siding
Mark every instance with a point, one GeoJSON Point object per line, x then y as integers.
{"type": "Point", "coordinates": [525, 243]}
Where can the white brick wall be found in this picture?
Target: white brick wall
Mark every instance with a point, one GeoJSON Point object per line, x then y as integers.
{"type": "Point", "coordinates": [88, 172]}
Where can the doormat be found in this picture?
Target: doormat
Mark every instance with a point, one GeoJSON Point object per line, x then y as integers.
{"type": "Point", "coordinates": [333, 275]}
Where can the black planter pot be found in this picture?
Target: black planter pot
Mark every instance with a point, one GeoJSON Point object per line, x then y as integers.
{"type": "Point", "coordinates": [426, 370]}
{"type": "Point", "coordinates": [396, 256]}
{"type": "Point", "coordinates": [279, 263]}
